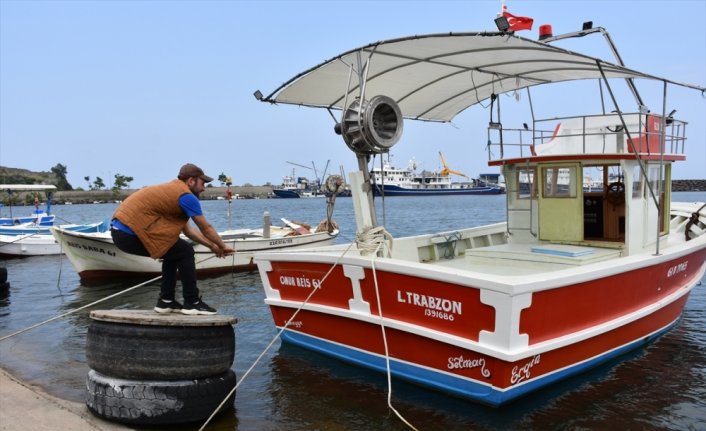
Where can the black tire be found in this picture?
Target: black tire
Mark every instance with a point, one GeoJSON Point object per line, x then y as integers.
{"type": "Point", "coordinates": [146, 402]}
{"type": "Point", "coordinates": [148, 352]}
{"type": "Point", "coordinates": [4, 284]}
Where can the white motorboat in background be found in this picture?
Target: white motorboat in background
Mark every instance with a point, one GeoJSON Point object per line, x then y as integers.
{"type": "Point", "coordinates": [95, 257]}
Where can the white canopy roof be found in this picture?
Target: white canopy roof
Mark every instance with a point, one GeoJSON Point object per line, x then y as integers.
{"type": "Point", "coordinates": [27, 187]}
{"type": "Point", "coordinates": [435, 77]}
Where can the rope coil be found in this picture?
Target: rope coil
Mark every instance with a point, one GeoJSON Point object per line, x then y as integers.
{"type": "Point", "coordinates": [374, 239]}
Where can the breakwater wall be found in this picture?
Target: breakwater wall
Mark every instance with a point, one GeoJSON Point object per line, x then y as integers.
{"type": "Point", "coordinates": [211, 193]}
{"type": "Point", "coordinates": [688, 185]}
{"type": "Point", "coordinates": [262, 192]}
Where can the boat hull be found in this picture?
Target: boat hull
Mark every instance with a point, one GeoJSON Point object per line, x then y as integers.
{"type": "Point", "coordinates": [392, 190]}
{"type": "Point", "coordinates": [96, 258]}
{"type": "Point", "coordinates": [286, 194]}
{"type": "Point", "coordinates": [445, 333]}
{"type": "Point", "coordinates": [46, 230]}
{"type": "Point", "coordinates": [42, 219]}
{"type": "Point", "coordinates": [478, 389]}
{"type": "Point", "coordinates": [28, 245]}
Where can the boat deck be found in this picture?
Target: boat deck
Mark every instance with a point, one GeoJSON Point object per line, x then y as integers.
{"type": "Point", "coordinates": [527, 259]}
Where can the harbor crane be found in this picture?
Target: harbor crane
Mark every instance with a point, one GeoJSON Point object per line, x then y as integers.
{"type": "Point", "coordinates": [446, 171]}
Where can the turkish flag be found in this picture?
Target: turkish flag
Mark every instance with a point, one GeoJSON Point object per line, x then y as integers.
{"type": "Point", "coordinates": [517, 22]}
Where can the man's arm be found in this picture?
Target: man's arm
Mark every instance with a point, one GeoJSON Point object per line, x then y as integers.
{"type": "Point", "coordinates": [207, 236]}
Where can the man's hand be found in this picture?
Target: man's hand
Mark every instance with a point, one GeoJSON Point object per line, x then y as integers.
{"type": "Point", "coordinates": [222, 252]}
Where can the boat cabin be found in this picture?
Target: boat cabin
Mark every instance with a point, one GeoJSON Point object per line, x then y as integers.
{"type": "Point", "coordinates": [581, 181]}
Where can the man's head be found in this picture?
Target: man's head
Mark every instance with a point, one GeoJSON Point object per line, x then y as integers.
{"type": "Point", "coordinates": [194, 177]}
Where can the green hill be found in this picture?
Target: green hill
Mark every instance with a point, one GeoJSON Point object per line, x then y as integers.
{"type": "Point", "coordinates": [24, 176]}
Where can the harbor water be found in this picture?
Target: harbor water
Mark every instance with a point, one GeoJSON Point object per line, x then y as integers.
{"type": "Point", "coordinates": [662, 386]}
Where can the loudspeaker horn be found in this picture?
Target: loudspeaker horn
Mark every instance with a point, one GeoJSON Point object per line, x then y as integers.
{"type": "Point", "coordinates": [371, 127]}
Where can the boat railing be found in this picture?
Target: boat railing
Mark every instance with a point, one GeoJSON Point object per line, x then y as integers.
{"type": "Point", "coordinates": [590, 134]}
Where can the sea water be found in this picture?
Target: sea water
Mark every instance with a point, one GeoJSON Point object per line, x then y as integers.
{"type": "Point", "coordinates": [662, 386]}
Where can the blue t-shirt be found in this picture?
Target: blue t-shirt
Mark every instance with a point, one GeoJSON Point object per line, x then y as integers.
{"type": "Point", "coordinates": [188, 203]}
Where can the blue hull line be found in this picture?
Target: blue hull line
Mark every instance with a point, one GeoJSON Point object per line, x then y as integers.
{"type": "Point", "coordinates": [446, 382]}
{"type": "Point", "coordinates": [399, 191]}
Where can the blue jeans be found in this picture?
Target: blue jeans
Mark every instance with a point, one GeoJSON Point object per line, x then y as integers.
{"type": "Point", "coordinates": [179, 257]}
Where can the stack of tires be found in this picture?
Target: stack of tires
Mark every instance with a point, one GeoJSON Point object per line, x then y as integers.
{"type": "Point", "coordinates": [156, 369]}
{"type": "Point", "coordinates": [4, 284]}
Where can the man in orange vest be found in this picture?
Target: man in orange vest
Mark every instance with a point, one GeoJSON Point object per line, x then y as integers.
{"type": "Point", "coordinates": [149, 222]}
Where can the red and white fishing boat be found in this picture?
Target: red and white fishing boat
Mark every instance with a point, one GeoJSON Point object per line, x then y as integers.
{"type": "Point", "coordinates": [572, 279]}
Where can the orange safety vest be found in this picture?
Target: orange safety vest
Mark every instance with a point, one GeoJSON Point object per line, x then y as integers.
{"type": "Point", "coordinates": [155, 216]}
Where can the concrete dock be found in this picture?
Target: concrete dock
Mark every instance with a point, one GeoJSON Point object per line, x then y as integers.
{"type": "Point", "coordinates": [24, 407]}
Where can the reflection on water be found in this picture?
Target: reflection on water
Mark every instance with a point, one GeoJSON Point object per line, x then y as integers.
{"type": "Point", "coordinates": [660, 387]}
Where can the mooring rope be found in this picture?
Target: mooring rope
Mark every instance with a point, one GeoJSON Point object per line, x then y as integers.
{"type": "Point", "coordinates": [64, 220]}
{"type": "Point", "coordinates": [384, 340]}
{"type": "Point", "coordinates": [694, 219]}
{"type": "Point", "coordinates": [61, 263]}
{"type": "Point", "coordinates": [19, 238]}
{"type": "Point", "coordinates": [88, 305]}
{"type": "Point", "coordinates": [364, 240]}
{"type": "Point", "coordinates": [277, 336]}
{"type": "Point", "coordinates": [78, 309]}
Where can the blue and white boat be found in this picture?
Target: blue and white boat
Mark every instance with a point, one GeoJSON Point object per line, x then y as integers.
{"type": "Point", "coordinates": [391, 181]}
{"type": "Point", "coordinates": [34, 229]}
{"type": "Point", "coordinates": [38, 217]}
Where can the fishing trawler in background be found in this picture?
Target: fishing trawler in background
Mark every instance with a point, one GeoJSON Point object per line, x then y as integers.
{"type": "Point", "coordinates": [570, 280]}
{"type": "Point", "coordinates": [390, 181]}
{"type": "Point", "coordinates": [301, 188]}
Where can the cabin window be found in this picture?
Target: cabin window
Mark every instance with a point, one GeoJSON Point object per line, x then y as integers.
{"type": "Point", "coordinates": [593, 179]}
{"type": "Point", "coordinates": [638, 182]}
{"type": "Point", "coordinates": [654, 178]}
{"type": "Point", "coordinates": [559, 182]}
{"type": "Point", "coordinates": [526, 184]}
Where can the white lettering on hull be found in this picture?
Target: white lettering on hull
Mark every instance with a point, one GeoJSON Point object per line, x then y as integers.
{"type": "Point", "coordinates": [676, 269]}
{"type": "Point", "coordinates": [288, 280]}
{"type": "Point", "coordinates": [434, 306]}
{"type": "Point", "coordinates": [524, 372]}
{"type": "Point", "coordinates": [432, 302]}
{"type": "Point", "coordinates": [459, 363]}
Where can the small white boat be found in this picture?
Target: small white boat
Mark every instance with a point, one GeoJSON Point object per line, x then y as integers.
{"type": "Point", "coordinates": [28, 245]}
{"type": "Point", "coordinates": [571, 279]}
{"type": "Point", "coordinates": [30, 240]}
{"type": "Point", "coordinates": [95, 257]}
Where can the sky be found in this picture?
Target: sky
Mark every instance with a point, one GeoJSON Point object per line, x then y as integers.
{"type": "Point", "coordinates": [138, 88]}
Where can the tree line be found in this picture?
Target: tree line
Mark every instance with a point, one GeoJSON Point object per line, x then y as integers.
{"type": "Point", "coordinates": [58, 178]}
{"type": "Point", "coordinates": [120, 181]}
